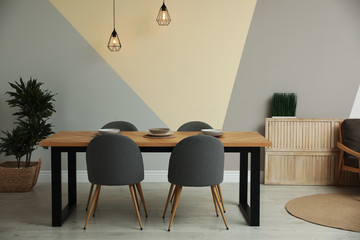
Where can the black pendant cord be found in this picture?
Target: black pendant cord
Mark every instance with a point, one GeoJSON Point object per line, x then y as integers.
{"type": "Point", "coordinates": [114, 12]}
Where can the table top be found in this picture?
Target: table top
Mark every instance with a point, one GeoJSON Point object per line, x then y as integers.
{"type": "Point", "coordinates": [82, 139]}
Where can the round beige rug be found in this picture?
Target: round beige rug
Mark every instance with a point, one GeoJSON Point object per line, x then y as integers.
{"type": "Point", "coordinates": [337, 210]}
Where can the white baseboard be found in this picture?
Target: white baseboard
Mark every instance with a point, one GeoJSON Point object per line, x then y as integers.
{"type": "Point", "coordinates": [150, 176]}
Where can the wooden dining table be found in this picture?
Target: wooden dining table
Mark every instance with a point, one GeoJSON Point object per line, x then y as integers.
{"type": "Point", "coordinates": [72, 142]}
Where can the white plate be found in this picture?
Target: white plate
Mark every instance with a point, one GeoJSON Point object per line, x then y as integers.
{"type": "Point", "coordinates": [109, 130]}
{"type": "Point", "coordinates": [212, 132]}
{"type": "Point", "coordinates": [160, 134]}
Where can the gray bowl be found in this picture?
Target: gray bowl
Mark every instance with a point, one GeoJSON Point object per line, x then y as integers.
{"type": "Point", "coordinates": [159, 130]}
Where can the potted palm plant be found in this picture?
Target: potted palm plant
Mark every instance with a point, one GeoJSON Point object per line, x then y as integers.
{"type": "Point", "coordinates": [34, 108]}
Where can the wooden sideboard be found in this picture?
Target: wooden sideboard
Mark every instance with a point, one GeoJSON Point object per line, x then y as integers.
{"type": "Point", "coordinates": [303, 152]}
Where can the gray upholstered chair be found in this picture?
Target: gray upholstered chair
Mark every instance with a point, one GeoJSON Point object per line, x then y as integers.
{"type": "Point", "coordinates": [197, 126]}
{"type": "Point", "coordinates": [123, 126]}
{"type": "Point", "coordinates": [349, 144]}
{"type": "Point", "coordinates": [115, 160]}
{"type": "Point", "coordinates": [194, 126]}
{"type": "Point", "coordinates": [196, 161]}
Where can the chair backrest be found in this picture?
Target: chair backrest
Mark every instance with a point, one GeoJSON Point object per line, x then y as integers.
{"type": "Point", "coordinates": [114, 159]}
{"type": "Point", "coordinates": [122, 125]}
{"type": "Point", "coordinates": [194, 126]}
{"type": "Point", "coordinates": [197, 161]}
{"type": "Point", "coordinates": [350, 135]}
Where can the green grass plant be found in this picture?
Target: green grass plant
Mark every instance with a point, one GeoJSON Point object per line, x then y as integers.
{"type": "Point", "coordinates": [284, 104]}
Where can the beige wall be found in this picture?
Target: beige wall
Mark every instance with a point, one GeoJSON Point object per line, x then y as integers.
{"type": "Point", "coordinates": [184, 71]}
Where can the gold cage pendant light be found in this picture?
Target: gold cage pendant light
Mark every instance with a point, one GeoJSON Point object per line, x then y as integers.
{"type": "Point", "coordinates": [163, 17]}
{"type": "Point", "coordinates": [114, 43]}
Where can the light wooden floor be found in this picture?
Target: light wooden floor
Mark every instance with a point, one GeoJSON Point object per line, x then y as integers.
{"type": "Point", "coordinates": [28, 215]}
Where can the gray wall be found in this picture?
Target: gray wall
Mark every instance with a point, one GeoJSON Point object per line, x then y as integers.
{"type": "Point", "coordinates": [303, 46]}
{"type": "Point", "coordinates": [36, 41]}
{"type": "Point", "coordinates": [308, 47]}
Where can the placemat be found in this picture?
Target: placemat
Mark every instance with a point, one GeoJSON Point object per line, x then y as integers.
{"type": "Point", "coordinates": [159, 137]}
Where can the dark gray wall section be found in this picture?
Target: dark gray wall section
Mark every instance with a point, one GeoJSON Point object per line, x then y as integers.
{"type": "Point", "coordinates": [36, 40]}
{"type": "Point", "coordinates": [308, 47]}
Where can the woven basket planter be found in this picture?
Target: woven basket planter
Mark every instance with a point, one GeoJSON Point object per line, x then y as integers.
{"type": "Point", "coordinates": [13, 179]}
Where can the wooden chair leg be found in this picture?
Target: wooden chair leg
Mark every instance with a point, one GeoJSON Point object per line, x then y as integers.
{"type": "Point", "coordinates": [173, 195]}
{"type": "Point", "coordinates": [137, 201]}
{"type": "Point", "coordinates": [220, 195]}
{"type": "Point", "coordinates": [216, 210]}
{"type": "Point", "coordinates": [132, 191]}
{"type": "Point", "coordinates": [176, 201]}
{"type": "Point", "coordinates": [90, 193]}
{"type": "Point", "coordinates": [168, 199]}
{"type": "Point", "coordinates": [213, 188]}
{"type": "Point", "coordinates": [97, 200]}
{"type": "Point", "coordinates": [95, 197]}
{"type": "Point", "coordinates": [341, 162]}
{"type": "Point", "coordinates": [138, 186]}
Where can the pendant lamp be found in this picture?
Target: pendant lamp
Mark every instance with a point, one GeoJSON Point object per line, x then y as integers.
{"type": "Point", "coordinates": [163, 17]}
{"type": "Point", "coordinates": [114, 44]}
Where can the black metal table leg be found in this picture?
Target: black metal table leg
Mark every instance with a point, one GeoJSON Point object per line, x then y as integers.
{"type": "Point", "coordinates": [56, 187]}
{"type": "Point", "coordinates": [252, 212]}
{"type": "Point", "coordinates": [255, 187]}
{"type": "Point", "coordinates": [72, 178]}
{"type": "Point", "coordinates": [243, 185]}
{"type": "Point", "coordinates": [60, 214]}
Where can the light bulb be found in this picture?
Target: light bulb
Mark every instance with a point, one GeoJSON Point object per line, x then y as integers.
{"type": "Point", "coordinates": [163, 16]}
{"type": "Point", "coordinates": [114, 41]}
